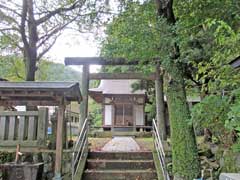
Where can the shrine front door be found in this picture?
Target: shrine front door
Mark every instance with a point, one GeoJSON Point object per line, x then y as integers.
{"type": "Point", "coordinates": [123, 115]}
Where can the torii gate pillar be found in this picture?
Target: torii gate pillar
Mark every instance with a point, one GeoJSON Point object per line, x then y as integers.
{"type": "Point", "coordinates": [84, 91]}
{"type": "Point", "coordinates": [160, 107]}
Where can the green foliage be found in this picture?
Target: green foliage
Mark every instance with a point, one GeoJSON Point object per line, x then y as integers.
{"type": "Point", "coordinates": [222, 116]}
{"type": "Point", "coordinates": [208, 40]}
{"type": "Point", "coordinates": [211, 113]}
{"type": "Point", "coordinates": [233, 122]}
{"type": "Point", "coordinates": [49, 71]}
{"type": "Point", "coordinates": [95, 113]}
{"type": "Point", "coordinates": [6, 157]}
{"type": "Point", "coordinates": [95, 109]}
{"type": "Point", "coordinates": [230, 160]}
{"type": "Point", "coordinates": [138, 34]}
{"type": "Point", "coordinates": [12, 68]}
{"type": "Point", "coordinates": [236, 147]}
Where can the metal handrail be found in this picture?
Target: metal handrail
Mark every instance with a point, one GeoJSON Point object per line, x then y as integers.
{"type": "Point", "coordinates": [160, 151]}
{"type": "Point", "coordinates": [79, 147]}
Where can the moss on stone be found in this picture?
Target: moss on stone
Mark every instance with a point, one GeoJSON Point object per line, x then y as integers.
{"type": "Point", "coordinates": [230, 160]}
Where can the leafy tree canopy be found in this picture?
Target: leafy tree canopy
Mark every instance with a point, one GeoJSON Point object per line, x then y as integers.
{"type": "Point", "coordinates": [138, 34]}
{"type": "Point", "coordinates": [208, 36]}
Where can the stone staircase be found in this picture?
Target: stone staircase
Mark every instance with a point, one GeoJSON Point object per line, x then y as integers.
{"type": "Point", "coordinates": [120, 166]}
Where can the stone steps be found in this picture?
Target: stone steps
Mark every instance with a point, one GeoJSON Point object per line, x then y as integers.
{"type": "Point", "coordinates": [120, 175]}
{"type": "Point", "coordinates": [142, 155]}
{"type": "Point", "coordinates": [119, 166]}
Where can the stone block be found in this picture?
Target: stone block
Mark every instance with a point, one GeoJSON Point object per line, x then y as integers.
{"type": "Point", "coordinates": [229, 176]}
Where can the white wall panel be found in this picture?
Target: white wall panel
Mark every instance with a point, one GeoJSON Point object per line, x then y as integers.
{"type": "Point", "coordinates": [108, 115]}
{"type": "Point", "coordinates": [139, 114]}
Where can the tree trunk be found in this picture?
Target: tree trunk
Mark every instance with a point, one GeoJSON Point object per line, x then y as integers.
{"type": "Point", "coordinates": [160, 106]}
{"type": "Point", "coordinates": [33, 38]}
{"type": "Point", "coordinates": [29, 40]}
{"type": "Point", "coordinates": [30, 68]}
{"type": "Point", "coordinates": [186, 165]}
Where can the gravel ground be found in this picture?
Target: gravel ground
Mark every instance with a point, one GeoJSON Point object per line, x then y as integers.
{"type": "Point", "coordinates": [121, 144]}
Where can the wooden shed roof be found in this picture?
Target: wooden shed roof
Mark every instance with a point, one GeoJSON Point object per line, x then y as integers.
{"type": "Point", "coordinates": [38, 93]}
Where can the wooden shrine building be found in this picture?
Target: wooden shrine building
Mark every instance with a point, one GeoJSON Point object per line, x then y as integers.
{"type": "Point", "coordinates": [29, 128]}
{"type": "Point", "coordinates": [123, 108]}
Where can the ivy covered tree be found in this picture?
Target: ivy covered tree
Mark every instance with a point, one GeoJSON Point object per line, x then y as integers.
{"type": "Point", "coordinates": [184, 148]}
{"type": "Point", "coordinates": [32, 27]}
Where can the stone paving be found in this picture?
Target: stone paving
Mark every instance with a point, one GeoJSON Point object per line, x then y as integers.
{"type": "Point", "coordinates": [121, 144]}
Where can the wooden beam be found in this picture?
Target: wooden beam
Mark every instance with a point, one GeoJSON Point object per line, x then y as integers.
{"type": "Point", "coordinates": [42, 124]}
{"type": "Point", "coordinates": [99, 61]}
{"type": "Point", "coordinates": [99, 76]}
{"type": "Point", "coordinates": [113, 117]}
{"type": "Point", "coordinates": [28, 103]}
{"type": "Point", "coordinates": [13, 143]}
{"type": "Point", "coordinates": [19, 113]}
{"type": "Point", "coordinates": [3, 127]}
{"type": "Point", "coordinates": [59, 142]}
{"type": "Point", "coordinates": [27, 94]}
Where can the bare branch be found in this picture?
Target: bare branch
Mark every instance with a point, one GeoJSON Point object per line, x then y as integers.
{"type": "Point", "coordinates": [55, 31]}
{"type": "Point", "coordinates": [47, 36]}
{"type": "Point", "coordinates": [58, 11]}
{"type": "Point", "coordinates": [10, 29]}
{"type": "Point", "coordinates": [47, 48]}
{"type": "Point", "coordinates": [9, 9]}
{"type": "Point", "coordinates": [7, 18]}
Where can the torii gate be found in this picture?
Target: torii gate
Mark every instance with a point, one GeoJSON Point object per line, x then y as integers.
{"type": "Point", "coordinates": [86, 61]}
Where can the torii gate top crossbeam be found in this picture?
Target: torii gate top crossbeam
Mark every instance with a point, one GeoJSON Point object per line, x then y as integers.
{"type": "Point", "coordinates": [99, 61]}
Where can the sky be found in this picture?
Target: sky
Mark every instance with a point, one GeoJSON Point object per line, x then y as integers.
{"type": "Point", "coordinates": [72, 44]}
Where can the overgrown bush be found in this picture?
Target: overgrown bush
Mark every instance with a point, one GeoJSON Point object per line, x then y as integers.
{"type": "Point", "coordinates": [6, 157]}
{"type": "Point", "coordinates": [221, 115]}
{"type": "Point", "coordinates": [212, 113]}
{"type": "Point", "coordinates": [95, 113]}
{"type": "Point", "coordinates": [233, 122]}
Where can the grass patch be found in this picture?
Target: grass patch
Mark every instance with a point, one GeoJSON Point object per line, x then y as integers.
{"type": "Point", "coordinates": [146, 143]}
{"type": "Point", "coordinates": [96, 144]}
